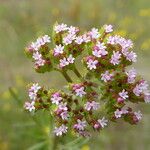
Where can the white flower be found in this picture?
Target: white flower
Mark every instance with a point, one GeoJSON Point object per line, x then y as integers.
{"type": "Point", "coordinates": [138, 115]}
{"type": "Point", "coordinates": [123, 94]}
{"type": "Point", "coordinates": [60, 27]}
{"type": "Point", "coordinates": [72, 30]}
{"type": "Point", "coordinates": [92, 105]}
{"type": "Point", "coordinates": [103, 122]}
{"type": "Point", "coordinates": [34, 46]}
{"type": "Point", "coordinates": [80, 92]}
{"type": "Point", "coordinates": [59, 49]}
{"type": "Point", "coordinates": [70, 59]}
{"type": "Point", "coordinates": [108, 28]}
{"type": "Point", "coordinates": [118, 113]}
{"type": "Point", "coordinates": [94, 33]}
{"type": "Point", "coordinates": [91, 64]}
{"type": "Point", "coordinates": [29, 106]}
{"type": "Point", "coordinates": [101, 45]}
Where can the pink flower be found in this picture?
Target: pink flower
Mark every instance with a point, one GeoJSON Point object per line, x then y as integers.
{"type": "Point", "coordinates": [68, 39]}
{"type": "Point", "coordinates": [108, 28]}
{"type": "Point", "coordinates": [64, 115]}
{"type": "Point", "coordinates": [33, 91]}
{"type": "Point", "coordinates": [147, 96]}
{"type": "Point", "coordinates": [70, 59]}
{"type": "Point", "coordinates": [60, 130]}
{"type": "Point", "coordinates": [80, 92]}
{"type": "Point", "coordinates": [94, 33]}
{"type": "Point", "coordinates": [86, 38]}
{"type": "Point", "coordinates": [62, 106]}
{"type": "Point", "coordinates": [40, 62]}
{"type": "Point", "coordinates": [99, 50]}
{"type": "Point", "coordinates": [91, 64]}
{"type": "Point", "coordinates": [106, 76]}
{"type": "Point", "coordinates": [59, 49]}
{"type": "Point", "coordinates": [131, 56]}
{"type": "Point", "coordinates": [118, 113]}
{"type": "Point", "coordinates": [92, 105]}
{"type": "Point", "coordinates": [35, 88]}
{"type": "Point", "coordinates": [29, 106]}
{"type": "Point", "coordinates": [79, 40]}
{"type": "Point", "coordinates": [138, 115]}
{"type": "Point", "coordinates": [115, 59]}
{"type": "Point", "coordinates": [63, 62]}
{"type": "Point", "coordinates": [80, 125]}
{"type": "Point", "coordinates": [72, 30]}
{"type": "Point", "coordinates": [103, 122]}
{"type": "Point", "coordinates": [123, 94]}
{"type": "Point", "coordinates": [56, 98]}
{"type": "Point", "coordinates": [60, 27]}
{"type": "Point", "coordinates": [131, 75]}
{"type": "Point", "coordinates": [34, 46]}
{"type": "Point", "coordinates": [37, 56]}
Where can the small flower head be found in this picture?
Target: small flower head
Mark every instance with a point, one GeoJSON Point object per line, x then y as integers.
{"type": "Point", "coordinates": [108, 28]}
{"type": "Point", "coordinates": [80, 125]}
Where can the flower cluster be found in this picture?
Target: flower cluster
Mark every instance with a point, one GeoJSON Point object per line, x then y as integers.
{"type": "Point", "coordinates": [103, 94]}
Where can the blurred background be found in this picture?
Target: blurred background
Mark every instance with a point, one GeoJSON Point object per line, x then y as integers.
{"type": "Point", "coordinates": [22, 21]}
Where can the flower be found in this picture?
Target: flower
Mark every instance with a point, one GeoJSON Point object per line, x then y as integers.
{"type": "Point", "coordinates": [147, 96]}
{"type": "Point", "coordinates": [63, 62]}
{"type": "Point", "coordinates": [99, 50]}
{"type": "Point", "coordinates": [40, 62]}
{"type": "Point", "coordinates": [118, 113]}
{"type": "Point", "coordinates": [131, 56]}
{"type": "Point", "coordinates": [80, 92]}
{"type": "Point", "coordinates": [72, 30]}
{"type": "Point", "coordinates": [35, 87]}
{"type": "Point", "coordinates": [56, 98]}
{"type": "Point", "coordinates": [115, 58]}
{"type": "Point", "coordinates": [94, 33]}
{"type": "Point", "coordinates": [33, 91]}
{"type": "Point", "coordinates": [29, 106]}
{"type": "Point", "coordinates": [70, 59]}
{"type": "Point", "coordinates": [103, 122]}
{"type": "Point", "coordinates": [131, 75]}
{"type": "Point", "coordinates": [37, 56]}
{"type": "Point", "coordinates": [59, 49]}
{"type": "Point", "coordinates": [86, 38]}
{"type": "Point", "coordinates": [80, 125]}
{"type": "Point", "coordinates": [60, 130]}
{"type": "Point", "coordinates": [123, 94]}
{"type": "Point", "coordinates": [68, 39]}
{"type": "Point", "coordinates": [91, 64]}
{"type": "Point", "coordinates": [106, 76]}
{"type": "Point", "coordinates": [92, 105]}
{"type": "Point", "coordinates": [108, 28]}
{"type": "Point", "coordinates": [138, 115]}
{"type": "Point", "coordinates": [79, 40]}
{"type": "Point", "coordinates": [62, 106]}
{"type": "Point", "coordinates": [60, 27]}
{"type": "Point", "coordinates": [64, 115]}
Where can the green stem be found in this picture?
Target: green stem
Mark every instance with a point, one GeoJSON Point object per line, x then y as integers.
{"type": "Point", "coordinates": [64, 73]}
{"type": "Point", "coordinates": [77, 72]}
{"type": "Point", "coordinates": [55, 143]}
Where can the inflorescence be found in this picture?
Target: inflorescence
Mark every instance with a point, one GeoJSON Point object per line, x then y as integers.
{"type": "Point", "coordinates": [103, 94]}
